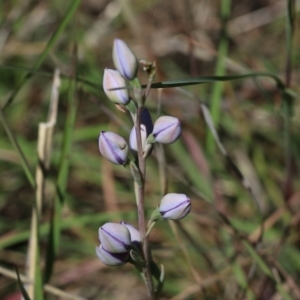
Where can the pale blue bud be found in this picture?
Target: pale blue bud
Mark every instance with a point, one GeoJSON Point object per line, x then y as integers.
{"type": "Point", "coordinates": [146, 129]}
{"type": "Point", "coordinates": [134, 233]}
{"type": "Point", "coordinates": [113, 147]}
{"type": "Point", "coordinates": [113, 79]}
{"type": "Point", "coordinates": [114, 238]}
{"type": "Point", "coordinates": [111, 259]}
{"type": "Point", "coordinates": [174, 206]}
{"type": "Point", "coordinates": [166, 130]}
{"type": "Point", "coordinates": [133, 141]}
{"type": "Point", "coordinates": [124, 59]}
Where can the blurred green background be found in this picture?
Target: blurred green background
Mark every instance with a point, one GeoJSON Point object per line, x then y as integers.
{"type": "Point", "coordinates": [217, 252]}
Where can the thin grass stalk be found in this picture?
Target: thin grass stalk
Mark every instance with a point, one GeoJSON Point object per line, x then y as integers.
{"type": "Point", "coordinates": [164, 188]}
{"type": "Point", "coordinates": [44, 154]}
{"type": "Point", "coordinates": [219, 71]}
{"type": "Point", "coordinates": [33, 259]}
{"type": "Point", "coordinates": [18, 149]}
{"type": "Point", "coordinates": [258, 258]}
{"type": "Point", "coordinates": [35, 288]}
{"type": "Point", "coordinates": [211, 79]}
{"type": "Point", "coordinates": [168, 83]}
{"type": "Point", "coordinates": [187, 256]}
{"type": "Point", "coordinates": [287, 101]}
{"type": "Point", "coordinates": [61, 182]}
{"type": "Point", "coordinates": [47, 287]}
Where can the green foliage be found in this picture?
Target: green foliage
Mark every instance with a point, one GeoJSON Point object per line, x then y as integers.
{"type": "Point", "coordinates": [254, 113]}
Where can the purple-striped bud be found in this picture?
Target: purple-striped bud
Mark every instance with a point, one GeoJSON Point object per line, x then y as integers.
{"type": "Point", "coordinates": [113, 79]}
{"type": "Point", "coordinates": [166, 130]}
{"type": "Point", "coordinates": [113, 147]}
{"type": "Point", "coordinates": [174, 206]}
{"type": "Point", "coordinates": [111, 259]}
{"type": "Point", "coordinates": [124, 59]}
{"type": "Point", "coordinates": [114, 238]}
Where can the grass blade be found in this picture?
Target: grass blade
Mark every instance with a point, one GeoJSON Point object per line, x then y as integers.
{"type": "Point", "coordinates": [266, 269]}
{"type": "Point", "coordinates": [49, 46]}
{"type": "Point", "coordinates": [192, 172]}
{"type": "Point", "coordinates": [217, 89]}
{"type": "Point", "coordinates": [17, 147]}
{"type": "Point", "coordinates": [54, 234]}
{"type": "Point", "coordinates": [211, 79]}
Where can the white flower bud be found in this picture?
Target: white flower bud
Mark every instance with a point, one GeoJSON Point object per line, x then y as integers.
{"type": "Point", "coordinates": [113, 79]}
{"type": "Point", "coordinates": [146, 130]}
{"type": "Point", "coordinates": [113, 147]}
{"type": "Point", "coordinates": [174, 206]}
{"type": "Point", "coordinates": [133, 141]}
{"type": "Point", "coordinates": [124, 60]}
{"type": "Point", "coordinates": [114, 238]}
{"type": "Point", "coordinates": [111, 259]}
{"type": "Point", "coordinates": [166, 130]}
{"type": "Point", "coordinates": [134, 233]}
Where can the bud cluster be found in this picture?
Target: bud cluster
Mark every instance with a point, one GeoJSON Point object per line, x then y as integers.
{"type": "Point", "coordinates": [166, 129]}
{"type": "Point", "coordinates": [116, 242]}
{"type": "Point", "coordinates": [120, 243]}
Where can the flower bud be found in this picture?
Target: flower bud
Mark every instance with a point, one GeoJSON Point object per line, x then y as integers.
{"type": "Point", "coordinates": [134, 233]}
{"type": "Point", "coordinates": [147, 120]}
{"type": "Point", "coordinates": [124, 60]}
{"type": "Point", "coordinates": [113, 147]}
{"type": "Point", "coordinates": [111, 259]}
{"type": "Point", "coordinates": [146, 129]}
{"type": "Point", "coordinates": [133, 141]}
{"type": "Point", "coordinates": [114, 238]}
{"type": "Point", "coordinates": [112, 79]}
{"type": "Point", "coordinates": [166, 130]}
{"type": "Point", "coordinates": [174, 206]}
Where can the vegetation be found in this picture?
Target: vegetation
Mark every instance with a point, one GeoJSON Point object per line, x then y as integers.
{"type": "Point", "coordinates": [228, 70]}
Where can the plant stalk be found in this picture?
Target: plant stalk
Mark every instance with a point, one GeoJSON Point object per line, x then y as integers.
{"type": "Point", "coordinates": [141, 209]}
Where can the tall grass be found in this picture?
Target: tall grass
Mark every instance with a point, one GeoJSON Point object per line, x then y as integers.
{"type": "Point", "coordinates": [238, 159]}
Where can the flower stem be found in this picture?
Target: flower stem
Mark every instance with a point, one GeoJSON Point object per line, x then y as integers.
{"type": "Point", "coordinates": [141, 209]}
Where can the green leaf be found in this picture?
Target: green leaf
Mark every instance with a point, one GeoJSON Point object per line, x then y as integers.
{"type": "Point", "coordinates": [210, 79]}
{"type": "Point", "coordinates": [217, 89]}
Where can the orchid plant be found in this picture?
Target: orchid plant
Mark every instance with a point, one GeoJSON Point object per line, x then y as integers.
{"type": "Point", "coordinates": [122, 243]}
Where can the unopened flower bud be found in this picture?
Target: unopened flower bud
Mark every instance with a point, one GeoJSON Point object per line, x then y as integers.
{"type": "Point", "coordinates": [113, 147]}
{"type": "Point", "coordinates": [111, 259]}
{"type": "Point", "coordinates": [147, 120]}
{"type": "Point", "coordinates": [114, 238]}
{"type": "Point", "coordinates": [112, 79]}
{"type": "Point", "coordinates": [134, 233]}
{"type": "Point", "coordinates": [124, 59]}
{"type": "Point", "coordinates": [133, 141]}
{"type": "Point", "coordinates": [166, 130]}
{"type": "Point", "coordinates": [146, 129]}
{"type": "Point", "coordinates": [174, 206]}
